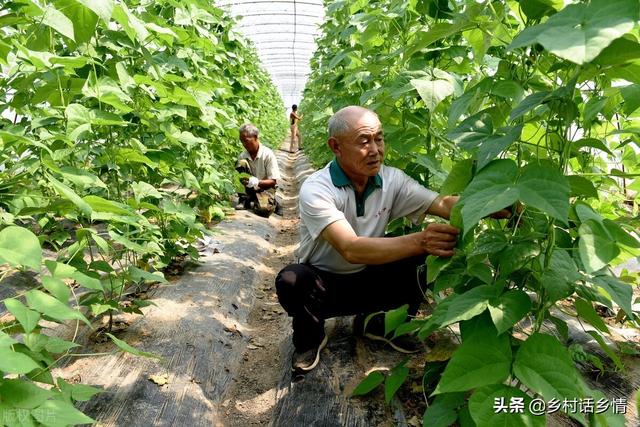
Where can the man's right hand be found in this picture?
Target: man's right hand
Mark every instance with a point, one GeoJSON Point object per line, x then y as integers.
{"type": "Point", "coordinates": [439, 239]}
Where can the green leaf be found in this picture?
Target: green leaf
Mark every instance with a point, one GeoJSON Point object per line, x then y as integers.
{"type": "Point", "coordinates": [561, 327]}
{"type": "Point", "coordinates": [134, 28]}
{"type": "Point", "coordinates": [394, 318]}
{"type": "Point", "coordinates": [81, 178]}
{"type": "Point", "coordinates": [631, 96]}
{"type": "Point", "coordinates": [59, 270]}
{"type": "Point", "coordinates": [591, 142]}
{"type": "Point", "coordinates": [605, 347]}
{"type": "Point", "coordinates": [496, 144]}
{"type": "Point", "coordinates": [492, 189]}
{"type": "Point", "coordinates": [408, 328]}
{"type": "Point", "coordinates": [142, 189]}
{"type": "Point", "coordinates": [56, 345]}
{"type": "Point", "coordinates": [442, 412]}
{"type": "Point", "coordinates": [620, 51]}
{"type": "Point", "coordinates": [536, 9]}
{"type": "Point", "coordinates": [480, 270]}
{"type": "Point", "coordinates": [489, 242]}
{"type": "Point", "coordinates": [579, 32]}
{"type": "Point", "coordinates": [78, 120]}
{"type": "Point", "coordinates": [545, 366]}
{"type": "Point", "coordinates": [57, 288]}
{"type": "Point", "coordinates": [6, 340]}
{"type": "Point", "coordinates": [20, 247]}
{"type": "Point", "coordinates": [562, 264]}
{"type": "Point", "coordinates": [607, 418]}
{"type": "Point", "coordinates": [12, 362]}
{"type": "Point", "coordinates": [472, 131]}
{"type": "Point", "coordinates": [27, 318]}
{"type": "Point", "coordinates": [586, 212]}
{"type": "Point", "coordinates": [545, 187]}
{"type": "Point", "coordinates": [528, 104]}
{"type": "Point", "coordinates": [98, 204]}
{"type": "Point", "coordinates": [87, 281]}
{"type": "Point", "coordinates": [83, 19]}
{"type": "Point", "coordinates": [78, 392]}
{"type": "Point", "coordinates": [616, 290]}
{"type": "Point", "coordinates": [98, 309]}
{"type": "Point", "coordinates": [102, 8]}
{"type": "Point", "coordinates": [595, 246]}
{"type": "Point", "coordinates": [509, 309]}
{"type": "Point", "coordinates": [434, 266]}
{"type": "Point", "coordinates": [56, 20]}
{"type": "Point", "coordinates": [373, 380]}
{"type": "Point", "coordinates": [57, 413]}
{"type": "Point", "coordinates": [619, 235]}
{"type": "Point", "coordinates": [53, 308]}
{"type": "Point", "coordinates": [483, 358]}
{"type": "Point", "coordinates": [593, 107]}
{"type": "Point", "coordinates": [127, 348]}
{"type": "Point", "coordinates": [435, 89]}
{"type": "Point", "coordinates": [133, 156]}
{"type": "Point", "coordinates": [22, 394]}
{"type": "Point", "coordinates": [137, 274]}
{"type": "Point", "coordinates": [587, 312]}
{"type": "Point", "coordinates": [508, 89]}
{"type": "Point", "coordinates": [458, 178]}
{"type": "Point", "coordinates": [498, 186]}
{"type": "Point", "coordinates": [516, 256]}
{"type": "Point", "coordinates": [581, 187]}
{"type": "Point", "coordinates": [70, 195]}
{"type": "Point", "coordinates": [393, 382]}
{"type": "Point", "coordinates": [482, 406]}
{"type": "Point", "coordinates": [108, 91]}
{"type": "Point", "coordinates": [435, 32]}
{"type": "Point", "coordinates": [127, 243]}
{"type": "Point", "coordinates": [456, 307]}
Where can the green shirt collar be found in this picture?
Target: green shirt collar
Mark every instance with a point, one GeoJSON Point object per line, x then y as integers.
{"type": "Point", "coordinates": [340, 179]}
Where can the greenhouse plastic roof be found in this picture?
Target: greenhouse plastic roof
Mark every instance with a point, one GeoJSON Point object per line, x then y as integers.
{"type": "Point", "coordinates": [284, 34]}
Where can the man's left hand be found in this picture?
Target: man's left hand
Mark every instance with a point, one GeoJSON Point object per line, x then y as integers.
{"type": "Point", "coordinates": [253, 183]}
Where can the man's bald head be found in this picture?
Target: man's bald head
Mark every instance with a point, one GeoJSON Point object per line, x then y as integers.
{"type": "Point", "coordinates": [343, 119]}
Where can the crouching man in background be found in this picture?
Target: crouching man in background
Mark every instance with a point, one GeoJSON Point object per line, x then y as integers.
{"type": "Point", "coordinates": [260, 162]}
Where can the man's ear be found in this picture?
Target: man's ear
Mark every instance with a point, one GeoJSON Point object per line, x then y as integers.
{"type": "Point", "coordinates": [334, 145]}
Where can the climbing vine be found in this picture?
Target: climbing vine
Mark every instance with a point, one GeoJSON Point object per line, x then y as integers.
{"type": "Point", "coordinates": [118, 131]}
{"type": "Point", "coordinates": [529, 105]}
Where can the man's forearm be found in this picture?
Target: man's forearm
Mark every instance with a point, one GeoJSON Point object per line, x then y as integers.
{"type": "Point", "coordinates": [442, 206]}
{"type": "Point", "coordinates": [382, 250]}
{"type": "Point", "coordinates": [265, 184]}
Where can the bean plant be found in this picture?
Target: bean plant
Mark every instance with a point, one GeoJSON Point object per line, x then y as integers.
{"type": "Point", "coordinates": [118, 130]}
{"type": "Point", "coordinates": [528, 105]}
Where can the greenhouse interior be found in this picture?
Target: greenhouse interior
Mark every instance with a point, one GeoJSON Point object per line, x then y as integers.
{"type": "Point", "coordinates": [327, 213]}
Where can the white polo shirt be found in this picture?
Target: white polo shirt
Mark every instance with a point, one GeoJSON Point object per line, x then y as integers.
{"type": "Point", "coordinates": [327, 196]}
{"type": "Point", "coordinates": [265, 165]}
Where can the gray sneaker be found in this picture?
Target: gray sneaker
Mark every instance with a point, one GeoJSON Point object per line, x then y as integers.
{"type": "Point", "coordinates": [305, 361]}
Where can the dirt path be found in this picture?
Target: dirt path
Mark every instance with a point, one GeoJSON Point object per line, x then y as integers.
{"type": "Point", "coordinates": [252, 397]}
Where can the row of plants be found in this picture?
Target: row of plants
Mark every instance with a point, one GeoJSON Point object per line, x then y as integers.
{"type": "Point", "coordinates": [118, 132]}
{"type": "Point", "coordinates": [529, 103]}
